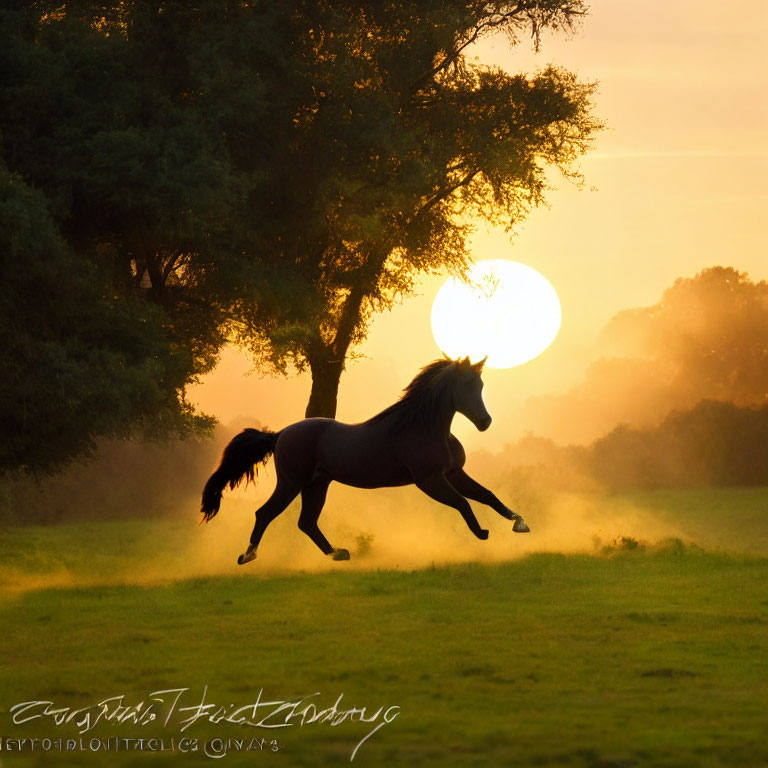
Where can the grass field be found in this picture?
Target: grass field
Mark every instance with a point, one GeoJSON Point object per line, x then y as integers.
{"type": "Point", "coordinates": [624, 656]}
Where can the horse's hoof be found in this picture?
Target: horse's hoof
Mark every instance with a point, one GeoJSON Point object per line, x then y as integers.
{"type": "Point", "coordinates": [482, 534]}
{"type": "Point", "coordinates": [247, 556]}
{"type": "Point", "coordinates": [520, 526]}
{"type": "Point", "coordinates": [340, 554]}
{"type": "Point", "coordinates": [510, 515]}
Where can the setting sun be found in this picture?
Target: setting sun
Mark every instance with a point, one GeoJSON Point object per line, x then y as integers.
{"type": "Point", "coordinates": [507, 311]}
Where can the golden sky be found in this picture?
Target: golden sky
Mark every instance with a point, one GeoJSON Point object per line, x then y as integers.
{"type": "Point", "coordinates": [677, 183]}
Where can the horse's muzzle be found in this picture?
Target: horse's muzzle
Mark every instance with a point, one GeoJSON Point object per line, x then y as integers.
{"type": "Point", "coordinates": [484, 423]}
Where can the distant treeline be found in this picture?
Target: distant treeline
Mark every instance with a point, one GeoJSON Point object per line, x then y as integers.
{"type": "Point", "coordinates": [715, 443]}
{"type": "Point", "coordinates": [706, 339]}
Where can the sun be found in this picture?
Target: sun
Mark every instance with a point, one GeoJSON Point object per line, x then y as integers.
{"type": "Point", "coordinates": [507, 311]}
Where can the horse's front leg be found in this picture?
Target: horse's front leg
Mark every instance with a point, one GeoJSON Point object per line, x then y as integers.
{"type": "Point", "coordinates": [470, 488]}
{"type": "Point", "coordinates": [437, 487]}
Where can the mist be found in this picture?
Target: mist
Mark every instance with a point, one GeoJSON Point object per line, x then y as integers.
{"type": "Point", "coordinates": [706, 339]}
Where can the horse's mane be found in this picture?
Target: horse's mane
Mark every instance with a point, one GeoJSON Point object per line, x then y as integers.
{"type": "Point", "coordinates": [423, 399]}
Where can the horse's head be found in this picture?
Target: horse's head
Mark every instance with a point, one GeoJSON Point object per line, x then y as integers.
{"type": "Point", "coordinates": [468, 393]}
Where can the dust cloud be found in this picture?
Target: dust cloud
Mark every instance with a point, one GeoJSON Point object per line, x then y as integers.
{"type": "Point", "coordinates": [395, 528]}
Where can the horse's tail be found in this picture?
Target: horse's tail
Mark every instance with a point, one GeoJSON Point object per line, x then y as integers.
{"type": "Point", "coordinates": [238, 462]}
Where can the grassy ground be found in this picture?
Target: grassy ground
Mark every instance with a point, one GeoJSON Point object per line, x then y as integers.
{"type": "Point", "coordinates": [647, 657]}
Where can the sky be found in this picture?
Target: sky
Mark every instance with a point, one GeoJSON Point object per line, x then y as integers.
{"type": "Point", "coordinates": [676, 183]}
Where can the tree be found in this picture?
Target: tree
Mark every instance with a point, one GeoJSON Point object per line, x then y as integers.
{"type": "Point", "coordinates": [113, 128]}
{"type": "Point", "coordinates": [394, 143]}
{"type": "Point", "coordinates": [111, 117]}
{"type": "Point", "coordinates": [268, 173]}
{"type": "Point", "coordinates": [77, 363]}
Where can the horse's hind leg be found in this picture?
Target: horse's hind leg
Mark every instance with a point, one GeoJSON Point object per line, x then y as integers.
{"type": "Point", "coordinates": [281, 497]}
{"type": "Point", "coordinates": [312, 501]}
{"type": "Point", "coordinates": [470, 488]}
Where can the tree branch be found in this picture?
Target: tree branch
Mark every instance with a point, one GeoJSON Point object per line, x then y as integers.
{"type": "Point", "coordinates": [445, 192]}
{"type": "Point", "coordinates": [171, 264]}
{"type": "Point", "coordinates": [453, 56]}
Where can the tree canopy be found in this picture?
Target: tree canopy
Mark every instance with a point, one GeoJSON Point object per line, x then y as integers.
{"type": "Point", "coordinates": [118, 196]}
{"type": "Point", "coordinates": [77, 362]}
{"type": "Point", "coordinates": [271, 174]}
{"type": "Point", "coordinates": [397, 142]}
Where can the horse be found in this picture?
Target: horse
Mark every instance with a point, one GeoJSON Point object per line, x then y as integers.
{"type": "Point", "coordinates": [410, 442]}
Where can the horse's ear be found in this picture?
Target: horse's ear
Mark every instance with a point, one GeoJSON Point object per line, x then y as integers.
{"type": "Point", "coordinates": [478, 367]}
{"type": "Point", "coordinates": [464, 363]}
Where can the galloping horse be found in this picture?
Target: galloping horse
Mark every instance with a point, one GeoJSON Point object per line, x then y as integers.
{"type": "Point", "coordinates": [409, 442]}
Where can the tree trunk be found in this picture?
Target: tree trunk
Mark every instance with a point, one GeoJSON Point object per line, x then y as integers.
{"type": "Point", "coordinates": [326, 361]}
{"type": "Point", "coordinates": [326, 375]}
